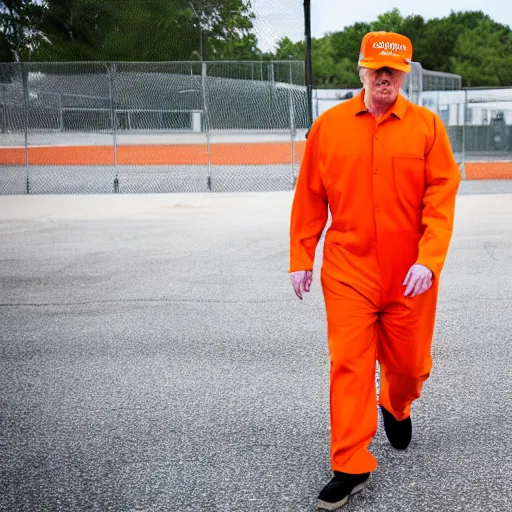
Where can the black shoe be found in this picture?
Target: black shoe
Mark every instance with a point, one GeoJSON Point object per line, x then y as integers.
{"type": "Point", "coordinates": [399, 432]}
{"type": "Point", "coordinates": [342, 485]}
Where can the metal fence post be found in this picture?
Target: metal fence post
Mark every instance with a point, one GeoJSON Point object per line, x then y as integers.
{"type": "Point", "coordinates": [4, 108]}
{"type": "Point", "coordinates": [113, 109]}
{"type": "Point", "coordinates": [308, 60]}
{"type": "Point", "coordinates": [292, 124]}
{"type": "Point", "coordinates": [463, 166]}
{"type": "Point", "coordinates": [24, 84]}
{"type": "Point", "coordinates": [61, 114]}
{"type": "Point", "coordinates": [271, 80]}
{"type": "Point", "coordinates": [204, 74]}
{"type": "Point", "coordinates": [110, 71]}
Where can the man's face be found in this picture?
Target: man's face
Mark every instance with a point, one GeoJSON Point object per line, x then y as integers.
{"type": "Point", "coordinates": [383, 85]}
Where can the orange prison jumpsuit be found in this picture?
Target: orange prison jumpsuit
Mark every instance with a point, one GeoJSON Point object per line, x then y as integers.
{"type": "Point", "coordinates": [391, 186]}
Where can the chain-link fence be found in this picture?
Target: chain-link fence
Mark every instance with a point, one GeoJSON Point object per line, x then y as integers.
{"type": "Point", "coordinates": [151, 127]}
{"type": "Point", "coordinates": [479, 123]}
{"type": "Point", "coordinates": [194, 126]}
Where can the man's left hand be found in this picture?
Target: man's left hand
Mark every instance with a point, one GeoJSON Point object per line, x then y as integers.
{"type": "Point", "coordinates": [417, 281]}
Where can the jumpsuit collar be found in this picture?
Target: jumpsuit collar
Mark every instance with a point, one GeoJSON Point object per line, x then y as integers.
{"type": "Point", "coordinates": [398, 109]}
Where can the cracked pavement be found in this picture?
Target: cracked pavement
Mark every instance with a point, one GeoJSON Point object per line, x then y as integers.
{"type": "Point", "coordinates": [153, 357]}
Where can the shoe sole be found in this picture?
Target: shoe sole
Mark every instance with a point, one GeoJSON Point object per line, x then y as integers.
{"type": "Point", "coordinates": [324, 505]}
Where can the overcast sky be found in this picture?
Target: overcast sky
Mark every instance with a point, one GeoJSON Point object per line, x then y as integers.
{"type": "Point", "coordinates": [276, 17]}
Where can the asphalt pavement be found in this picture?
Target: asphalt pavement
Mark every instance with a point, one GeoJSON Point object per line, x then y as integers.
{"type": "Point", "coordinates": [153, 357]}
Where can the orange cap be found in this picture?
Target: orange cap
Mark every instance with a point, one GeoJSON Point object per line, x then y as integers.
{"type": "Point", "coordinates": [386, 49]}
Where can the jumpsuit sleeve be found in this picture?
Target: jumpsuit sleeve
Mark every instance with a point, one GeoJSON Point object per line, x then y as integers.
{"type": "Point", "coordinates": [309, 211]}
{"type": "Point", "coordinates": [442, 179]}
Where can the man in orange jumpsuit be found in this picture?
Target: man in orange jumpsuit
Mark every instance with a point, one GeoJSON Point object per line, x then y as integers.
{"type": "Point", "coordinates": [384, 168]}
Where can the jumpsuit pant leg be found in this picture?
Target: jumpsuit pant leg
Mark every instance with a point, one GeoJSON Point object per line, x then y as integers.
{"type": "Point", "coordinates": [404, 350]}
{"type": "Point", "coordinates": [352, 334]}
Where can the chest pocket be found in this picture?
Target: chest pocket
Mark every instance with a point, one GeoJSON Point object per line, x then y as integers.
{"type": "Point", "coordinates": [409, 179]}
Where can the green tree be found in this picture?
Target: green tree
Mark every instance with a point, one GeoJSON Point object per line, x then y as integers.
{"type": "Point", "coordinates": [467, 43]}
{"type": "Point", "coordinates": [414, 27]}
{"type": "Point", "coordinates": [6, 50]}
{"type": "Point", "coordinates": [144, 30]}
{"type": "Point", "coordinates": [323, 63]}
{"type": "Point", "coordinates": [287, 49]}
{"type": "Point", "coordinates": [434, 46]}
{"type": "Point", "coordinates": [346, 44]}
{"type": "Point", "coordinates": [483, 55]}
{"type": "Point", "coordinates": [345, 47]}
{"type": "Point", "coordinates": [391, 21]}
{"type": "Point", "coordinates": [227, 29]}
{"type": "Point", "coordinates": [75, 30]}
{"type": "Point", "coordinates": [18, 26]}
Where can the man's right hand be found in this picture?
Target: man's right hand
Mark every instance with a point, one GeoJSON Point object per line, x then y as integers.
{"type": "Point", "coordinates": [301, 281]}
